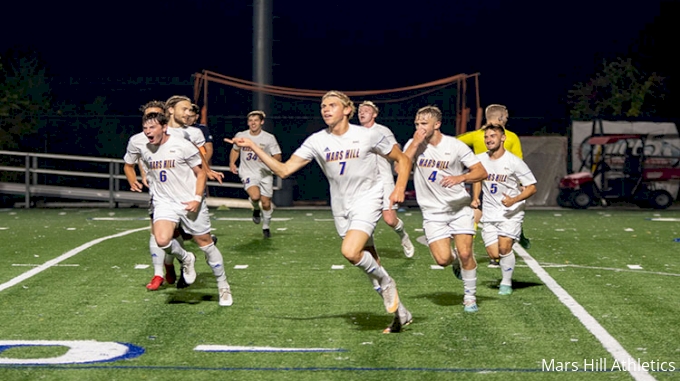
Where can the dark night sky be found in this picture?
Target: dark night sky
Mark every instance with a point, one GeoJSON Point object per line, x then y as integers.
{"type": "Point", "coordinates": [529, 53]}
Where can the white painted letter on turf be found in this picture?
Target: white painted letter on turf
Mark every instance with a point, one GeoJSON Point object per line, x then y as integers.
{"type": "Point", "coordinates": [79, 352]}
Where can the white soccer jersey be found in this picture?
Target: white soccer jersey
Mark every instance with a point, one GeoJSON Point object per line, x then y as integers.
{"type": "Point", "coordinates": [449, 158]}
{"type": "Point", "coordinates": [134, 146]}
{"type": "Point", "coordinates": [249, 164]}
{"type": "Point", "coordinates": [349, 162]}
{"type": "Point", "coordinates": [172, 179]}
{"type": "Point", "coordinates": [506, 175]}
{"type": "Point", "coordinates": [384, 165]}
{"type": "Point", "coordinates": [192, 134]}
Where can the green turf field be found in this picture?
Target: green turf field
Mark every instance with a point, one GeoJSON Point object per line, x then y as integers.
{"type": "Point", "coordinates": [596, 286]}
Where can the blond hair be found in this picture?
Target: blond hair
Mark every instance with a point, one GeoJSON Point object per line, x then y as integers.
{"type": "Point", "coordinates": [344, 99]}
{"type": "Point", "coordinates": [371, 105]}
{"type": "Point", "coordinates": [174, 100]}
{"type": "Point", "coordinates": [496, 114]}
{"type": "Point", "coordinates": [259, 113]}
{"type": "Point", "coordinates": [432, 111]}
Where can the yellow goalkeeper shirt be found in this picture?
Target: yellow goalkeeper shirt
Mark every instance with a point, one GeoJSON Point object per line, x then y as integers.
{"type": "Point", "coordinates": [475, 139]}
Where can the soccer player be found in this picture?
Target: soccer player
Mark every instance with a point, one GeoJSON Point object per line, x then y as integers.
{"type": "Point", "coordinates": [368, 111]}
{"type": "Point", "coordinates": [496, 114]}
{"type": "Point", "coordinates": [439, 176]}
{"type": "Point", "coordinates": [177, 185]}
{"type": "Point", "coordinates": [508, 184]}
{"type": "Point", "coordinates": [179, 110]}
{"type": "Point", "coordinates": [347, 155]}
{"type": "Point", "coordinates": [162, 262]}
{"type": "Point", "coordinates": [193, 121]}
{"type": "Point", "coordinates": [257, 178]}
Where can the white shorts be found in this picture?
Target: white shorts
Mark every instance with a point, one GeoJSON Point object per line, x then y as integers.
{"type": "Point", "coordinates": [491, 230]}
{"type": "Point", "coordinates": [363, 216]}
{"type": "Point", "coordinates": [446, 225]}
{"type": "Point", "coordinates": [387, 191]}
{"type": "Point", "coordinates": [192, 223]}
{"type": "Point", "coordinates": [265, 183]}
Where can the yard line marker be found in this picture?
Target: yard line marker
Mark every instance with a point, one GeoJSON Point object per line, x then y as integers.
{"type": "Point", "coordinates": [36, 265]}
{"type": "Point", "coordinates": [63, 257]}
{"type": "Point", "coordinates": [635, 267]}
{"type": "Point", "coordinates": [248, 219]}
{"type": "Point", "coordinates": [233, 348]}
{"type": "Point", "coordinates": [665, 219]}
{"type": "Point", "coordinates": [615, 269]}
{"type": "Point", "coordinates": [240, 267]}
{"type": "Point", "coordinates": [337, 267]}
{"type": "Point", "coordinates": [118, 218]}
{"type": "Point", "coordinates": [608, 341]}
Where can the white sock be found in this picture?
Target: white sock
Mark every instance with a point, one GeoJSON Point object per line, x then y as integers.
{"type": "Point", "coordinates": [372, 269]}
{"type": "Point", "coordinates": [176, 250]}
{"type": "Point", "coordinates": [157, 255]}
{"type": "Point", "coordinates": [266, 218]}
{"type": "Point", "coordinates": [399, 229]}
{"type": "Point", "coordinates": [469, 283]}
{"type": "Point", "coordinates": [213, 257]}
{"type": "Point", "coordinates": [170, 258]}
{"type": "Point", "coordinates": [507, 268]}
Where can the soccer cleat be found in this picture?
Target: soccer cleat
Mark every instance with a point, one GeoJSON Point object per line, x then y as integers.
{"type": "Point", "coordinates": [494, 263]}
{"type": "Point", "coordinates": [266, 233]}
{"type": "Point", "coordinates": [399, 322]}
{"type": "Point", "coordinates": [470, 305]}
{"type": "Point", "coordinates": [505, 290]}
{"type": "Point", "coordinates": [155, 283]}
{"type": "Point", "coordinates": [390, 296]}
{"type": "Point", "coordinates": [226, 299]}
{"type": "Point", "coordinates": [409, 250]}
{"type": "Point", "coordinates": [170, 275]}
{"type": "Point", "coordinates": [181, 283]}
{"type": "Point", "coordinates": [256, 216]}
{"type": "Point", "coordinates": [524, 241]}
{"type": "Point", "coordinates": [214, 239]}
{"type": "Point", "coordinates": [188, 270]}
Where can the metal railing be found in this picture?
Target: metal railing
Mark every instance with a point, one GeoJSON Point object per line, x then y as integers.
{"type": "Point", "coordinates": [31, 184]}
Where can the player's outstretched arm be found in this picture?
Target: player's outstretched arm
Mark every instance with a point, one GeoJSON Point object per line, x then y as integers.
{"type": "Point", "coordinates": [280, 169]}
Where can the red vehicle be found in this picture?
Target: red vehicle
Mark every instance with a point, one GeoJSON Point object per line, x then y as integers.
{"type": "Point", "coordinates": [617, 167]}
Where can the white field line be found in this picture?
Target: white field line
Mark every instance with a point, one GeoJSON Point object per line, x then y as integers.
{"type": "Point", "coordinates": [63, 257]}
{"type": "Point", "coordinates": [615, 269]}
{"type": "Point", "coordinates": [608, 341]}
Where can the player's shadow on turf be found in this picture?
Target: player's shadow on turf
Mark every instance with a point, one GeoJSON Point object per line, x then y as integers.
{"type": "Point", "coordinates": [187, 296]}
{"type": "Point", "coordinates": [446, 298]}
{"type": "Point", "coordinates": [361, 321]}
{"type": "Point", "coordinates": [194, 293]}
{"type": "Point", "coordinates": [516, 285]}
{"type": "Point", "coordinates": [258, 245]}
{"type": "Point", "coordinates": [391, 253]}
